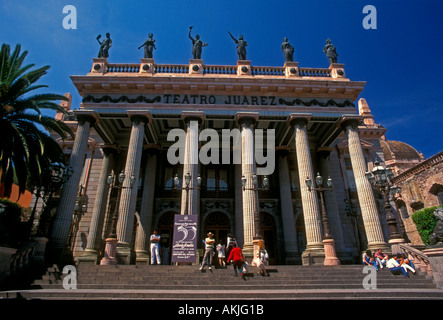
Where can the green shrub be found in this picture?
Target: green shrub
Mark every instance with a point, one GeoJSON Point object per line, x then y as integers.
{"type": "Point", "coordinates": [425, 221]}
{"type": "Point", "coordinates": [11, 225]}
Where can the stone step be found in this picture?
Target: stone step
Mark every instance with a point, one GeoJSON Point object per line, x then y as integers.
{"type": "Point", "coordinates": [186, 282]}
{"type": "Point", "coordinates": [238, 295]}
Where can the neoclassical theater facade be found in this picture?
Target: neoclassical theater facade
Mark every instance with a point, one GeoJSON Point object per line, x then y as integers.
{"type": "Point", "coordinates": [288, 122]}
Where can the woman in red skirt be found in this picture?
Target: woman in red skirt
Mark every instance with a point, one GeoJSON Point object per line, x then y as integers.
{"type": "Point", "coordinates": [237, 259]}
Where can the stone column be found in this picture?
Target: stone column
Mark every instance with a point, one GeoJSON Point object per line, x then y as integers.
{"type": "Point", "coordinates": [63, 218]}
{"type": "Point", "coordinates": [287, 210]}
{"type": "Point", "coordinates": [331, 201]}
{"type": "Point", "coordinates": [128, 198]}
{"type": "Point", "coordinates": [371, 221]}
{"type": "Point", "coordinates": [146, 207]}
{"type": "Point", "coordinates": [250, 197]}
{"type": "Point", "coordinates": [239, 230]}
{"type": "Point", "coordinates": [314, 252]}
{"type": "Point", "coordinates": [90, 255]}
{"type": "Point", "coordinates": [192, 121]}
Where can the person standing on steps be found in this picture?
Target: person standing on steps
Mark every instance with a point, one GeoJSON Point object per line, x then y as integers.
{"type": "Point", "coordinates": [221, 254]}
{"type": "Point", "coordinates": [237, 259]}
{"type": "Point", "coordinates": [155, 247]}
{"type": "Point", "coordinates": [209, 251]}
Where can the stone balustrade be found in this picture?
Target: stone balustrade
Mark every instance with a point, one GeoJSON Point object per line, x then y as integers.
{"type": "Point", "coordinates": [132, 68]}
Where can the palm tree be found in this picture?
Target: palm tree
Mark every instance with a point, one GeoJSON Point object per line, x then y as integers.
{"type": "Point", "coordinates": [26, 148]}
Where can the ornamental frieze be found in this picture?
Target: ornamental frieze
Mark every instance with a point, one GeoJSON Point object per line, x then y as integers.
{"type": "Point", "coordinates": [198, 99]}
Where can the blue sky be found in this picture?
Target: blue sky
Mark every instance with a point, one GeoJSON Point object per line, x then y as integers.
{"type": "Point", "coordinates": [402, 60]}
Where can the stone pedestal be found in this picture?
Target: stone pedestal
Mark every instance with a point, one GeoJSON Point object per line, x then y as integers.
{"type": "Point", "coordinates": [243, 67]}
{"type": "Point", "coordinates": [330, 254]}
{"type": "Point", "coordinates": [291, 69]}
{"type": "Point", "coordinates": [99, 65]}
{"type": "Point", "coordinates": [6, 254]}
{"type": "Point", "coordinates": [337, 70]}
{"type": "Point", "coordinates": [435, 256]}
{"type": "Point", "coordinates": [38, 257]}
{"type": "Point", "coordinates": [110, 252]}
{"type": "Point", "coordinates": [195, 66]}
{"type": "Point", "coordinates": [147, 66]}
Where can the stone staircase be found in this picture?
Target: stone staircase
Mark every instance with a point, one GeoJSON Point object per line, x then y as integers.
{"type": "Point", "coordinates": [186, 282]}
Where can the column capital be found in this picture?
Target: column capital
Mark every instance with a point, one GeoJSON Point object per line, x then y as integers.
{"type": "Point", "coordinates": [109, 149]}
{"type": "Point", "coordinates": [324, 152]}
{"type": "Point", "coordinates": [249, 118]}
{"type": "Point", "coordinates": [152, 149]}
{"type": "Point", "coordinates": [86, 116]}
{"type": "Point", "coordinates": [282, 151]}
{"type": "Point", "coordinates": [300, 119]}
{"type": "Point", "coordinates": [137, 116]}
{"type": "Point", "coordinates": [352, 120]}
{"type": "Point", "coordinates": [189, 116]}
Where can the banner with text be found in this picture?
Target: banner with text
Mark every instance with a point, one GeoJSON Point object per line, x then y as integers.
{"type": "Point", "coordinates": [184, 244]}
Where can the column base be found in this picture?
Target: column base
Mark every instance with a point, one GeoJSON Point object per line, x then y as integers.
{"type": "Point", "coordinates": [88, 257]}
{"type": "Point", "coordinates": [313, 255]}
{"type": "Point", "coordinates": [381, 245]}
{"type": "Point", "coordinates": [248, 252]}
{"type": "Point", "coordinates": [125, 254]}
{"type": "Point", "coordinates": [142, 258]}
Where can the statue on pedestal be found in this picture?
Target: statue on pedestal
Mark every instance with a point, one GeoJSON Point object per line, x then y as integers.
{"type": "Point", "coordinates": [197, 45]}
{"type": "Point", "coordinates": [330, 52]}
{"type": "Point", "coordinates": [104, 46]}
{"type": "Point", "coordinates": [288, 50]}
{"type": "Point", "coordinates": [149, 46]}
{"type": "Point", "coordinates": [241, 46]}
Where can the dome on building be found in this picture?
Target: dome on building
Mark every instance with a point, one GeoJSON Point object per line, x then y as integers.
{"type": "Point", "coordinates": [397, 150]}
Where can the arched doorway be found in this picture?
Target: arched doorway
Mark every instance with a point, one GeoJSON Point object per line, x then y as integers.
{"type": "Point", "coordinates": [268, 231]}
{"type": "Point", "coordinates": [217, 223]}
{"type": "Point", "coordinates": [166, 228]}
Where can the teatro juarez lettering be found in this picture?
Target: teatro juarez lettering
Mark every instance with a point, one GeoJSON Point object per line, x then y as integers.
{"type": "Point", "coordinates": [211, 99]}
{"type": "Point", "coordinates": [201, 99]}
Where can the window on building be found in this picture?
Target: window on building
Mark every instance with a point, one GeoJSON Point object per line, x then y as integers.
{"type": "Point", "coordinates": [169, 175]}
{"type": "Point", "coordinates": [217, 179]}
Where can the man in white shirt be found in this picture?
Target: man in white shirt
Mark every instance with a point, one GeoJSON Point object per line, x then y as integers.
{"type": "Point", "coordinates": [393, 265]}
{"type": "Point", "coordinates": [155, 247]}
{"type": "Point", "coordinates": [209, 251]}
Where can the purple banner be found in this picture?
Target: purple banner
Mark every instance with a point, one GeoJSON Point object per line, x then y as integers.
{"type": "Point", "coordinates": [184, 244]}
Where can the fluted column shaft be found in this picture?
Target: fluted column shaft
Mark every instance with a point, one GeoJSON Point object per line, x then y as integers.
{"type": "Point", "coordinates": [374, 232]}
{"type": "Point", "coordinates": [287, 210]}
{"type": "Point", "coordinates": [190, 205]}
{"type": "Point", "coordinates": [146, 208]}
{"type": "Point", "coordinates": [128, 198]}
{"type": "Point", "coordinates": [331, 202]}
{"type": "Point", "coordinates": [63, 218]}
{"type": "Point", "coordinates": [250, 198]}
{"type": "Point", "coordinates": [98, 213]}
{"type": "Point", "coordinates": [311, 213]}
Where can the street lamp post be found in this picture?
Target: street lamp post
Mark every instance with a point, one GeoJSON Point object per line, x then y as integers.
{"type": "Point", "coordinates": [258, 237]}
{"type": "Point", "coordinates": [110, 255]}
{"type": "Point", "coordinates": [381, 180]}
{"type": "Point", "coordinates": [328, 241]}
{"type": "Point", "coordinates": [188, 178]}
{"type": "Point", "coordinates": [57, 175]}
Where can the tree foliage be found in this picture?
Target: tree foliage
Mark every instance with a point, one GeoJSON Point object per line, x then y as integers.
{"type": "Point", "coordinates": [26, 148]}
{"type": "Point", "coordinates": [425, 221]}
